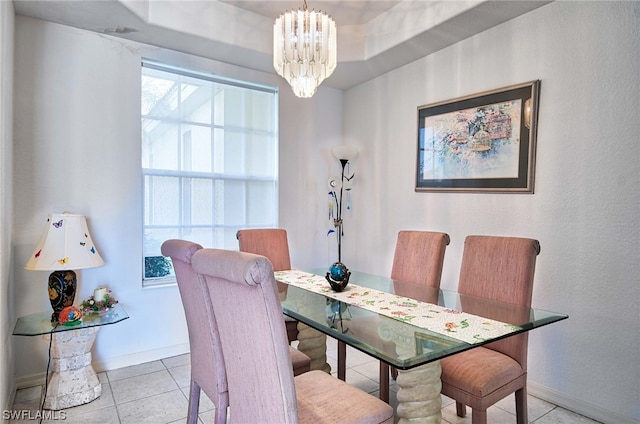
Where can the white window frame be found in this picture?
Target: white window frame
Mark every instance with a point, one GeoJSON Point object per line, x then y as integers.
{"type": "Point", "coordinates": [186, 177]}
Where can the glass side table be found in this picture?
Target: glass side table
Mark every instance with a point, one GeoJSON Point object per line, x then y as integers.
{"type": "Point", "coordinates": [73, 381]}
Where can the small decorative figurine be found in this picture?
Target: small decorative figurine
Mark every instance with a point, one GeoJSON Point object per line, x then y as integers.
{"type": "Point", "coordinates": [70, 315]}
{"type": "Point", "coordinates": [338, 276]}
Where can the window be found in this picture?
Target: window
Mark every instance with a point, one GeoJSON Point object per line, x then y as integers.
{"type": "Point", "coordinates": [209, 161]}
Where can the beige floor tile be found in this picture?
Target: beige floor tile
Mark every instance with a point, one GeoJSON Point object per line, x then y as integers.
{"type": "Point", "coordinates": [562, 416]}
{"type": "Point", "coordinates": [333, 363]}
{"type": "Point", "coordinates": [495, 415]}
{"type": "Point", "coordinates": [35, 416]}
{"type": "Point", "coordinates": [536, 408]}
{"type": "Point", "coordinates": [28, 393]}
{"type": "Point", "coordinates": [205, 403]}
{"type": "Point", "coordinates": [358, 380]}
{"type": "Point", "coordinates": [102, 378]}
{"type": "Point", "coordinates": [446, 401]}
{"type": "Point", "coordinates": [158, 409]}
{"type": "Point", "coordinates": [181, 374]}
{"type": "Point", "coordinates": [134, 370]}
{"type": "Point", "coordinates": [142, 386]}
{"type": "Point", "coordinates": [107, 415]}
{"type": "Point", "coordinates": [31, 404]}
{"type": "Point", "coordinates": [356, 358]}
{"type": "Point", "coordinates": [157, 392]}
{"type": "Point", "coordinates": [22, 412]}
{"type": "Point", "coordinates": [208, 417]}
{"type": "Point", "coordinates": [370, 369]}
{"type": "Point", "coordinates": [176, 361]}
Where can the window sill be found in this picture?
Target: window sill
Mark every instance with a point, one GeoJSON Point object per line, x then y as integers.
{"type": "Point", "coordinates": [158, 283]}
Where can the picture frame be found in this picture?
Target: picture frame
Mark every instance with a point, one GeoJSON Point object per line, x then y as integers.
{"type": "Point", "coordinates": [426, 343]}
{"type": "Point", "coordinates": [485, 142]}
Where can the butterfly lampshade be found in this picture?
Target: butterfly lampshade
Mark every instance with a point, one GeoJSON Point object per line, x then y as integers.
{"type": "Point", "coordinates": [65, 245]}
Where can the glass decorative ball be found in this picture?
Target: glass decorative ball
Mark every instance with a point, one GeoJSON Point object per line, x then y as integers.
{"type": "Point", "coordinates": [338, 271]}
{"type": "Point", "coordinates": [338, 276]}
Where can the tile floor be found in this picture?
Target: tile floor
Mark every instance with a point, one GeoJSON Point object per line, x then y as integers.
{"type": "Point", "coordinates": [156, 393]}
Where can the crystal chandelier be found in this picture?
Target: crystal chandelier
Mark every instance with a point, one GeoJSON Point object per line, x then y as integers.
{"type": "Point", "coordinates": [304, 49]}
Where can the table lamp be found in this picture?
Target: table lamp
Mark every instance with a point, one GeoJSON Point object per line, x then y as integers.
{"type": "Point", "coordinates": [65, 245]}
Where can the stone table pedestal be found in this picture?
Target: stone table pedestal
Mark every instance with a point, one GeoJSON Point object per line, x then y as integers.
{"type": "Point", "coordinates": [73, 380]}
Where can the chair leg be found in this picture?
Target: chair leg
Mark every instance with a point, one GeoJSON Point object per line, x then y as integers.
{"type": "Point", "coordinates": [478, 416]}
{"type": "Point", "coordinates": [221, 414]}
{"type": "Point", "coordinates": [342, 360]}
{"type": "Point", "coordinates": [521, 406]}
{"type": "Point", "coordinates": [384, 382]}
{"type": "Point", "coordinates": [194, 403]}
{"type": "Point", "coordinates": [292, 330]}
{"type": "Point", "coordinates": [461, 409]}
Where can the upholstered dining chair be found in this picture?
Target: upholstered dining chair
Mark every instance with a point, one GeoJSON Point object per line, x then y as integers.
{"type": "Point", "coordinates": [418, 259]}
{"type": "Point", "coordinates": [262, 388]}
{"type": "Point", "coordinates": [207, 363]}
{"type": "Point", "coordinates": [501, 269]}
{"type": "Point", "coordinates": [274, 245]}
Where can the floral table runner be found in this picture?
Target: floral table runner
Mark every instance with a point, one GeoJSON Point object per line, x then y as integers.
{"type": "Point", "coordinates": [449, 322]}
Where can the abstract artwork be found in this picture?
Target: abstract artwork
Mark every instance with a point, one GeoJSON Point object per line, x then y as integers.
{"type": "Point", "coordinates": [483, 142]}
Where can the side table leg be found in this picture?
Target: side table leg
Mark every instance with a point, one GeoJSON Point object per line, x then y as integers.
{"type": "Point", "coordinates": [314, 344]}
{"type": "Point", "coordinates": [419, 399]}
{"type": "Point", "coordinates": [73, 381]}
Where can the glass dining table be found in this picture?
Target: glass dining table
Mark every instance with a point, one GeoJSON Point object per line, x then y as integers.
{"type": "Point", "coordinates": [404, 325]}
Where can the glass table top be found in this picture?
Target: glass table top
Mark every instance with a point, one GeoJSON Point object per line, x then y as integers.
{"type": "Point", "coordinates": [40, 323]}
{"type": "Point", "coordinates": [394, 341]}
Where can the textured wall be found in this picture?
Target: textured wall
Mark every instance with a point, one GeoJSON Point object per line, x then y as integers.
{"type": "Point", "coordinates": [6, 200]}
{"type": "Point", "coordinates": [77, 148]}
{"type": "Point", "coordinates": [586, 206]}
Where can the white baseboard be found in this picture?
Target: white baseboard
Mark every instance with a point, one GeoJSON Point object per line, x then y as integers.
{"type": "Point", "coordinates": [113, 363]}
{"type": "Point", "coordinates": [140, 357]}
{"type": "Point", "coordinates": [578, 406]}
{"type": "Point", "coordinates": [29, 381]}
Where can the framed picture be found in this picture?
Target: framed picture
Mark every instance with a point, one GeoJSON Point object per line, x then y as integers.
{"type": "Point", "coordinates": [485, 142]}
{"type": "Point", "coordinates": [426, 343]}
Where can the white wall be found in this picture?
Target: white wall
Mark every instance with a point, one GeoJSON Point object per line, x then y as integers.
{"type": "Point", "coordinates": [77, 148]}
{"type": "Point", "coordinates": [6, 206]}
{"type": "Point", "coordinates": [586, 206]}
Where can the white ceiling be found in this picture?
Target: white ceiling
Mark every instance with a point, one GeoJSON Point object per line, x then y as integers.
{"type": "Point", "coordinates": [374, 36]}
{"type": "Point", "coordinates": [351, 12]}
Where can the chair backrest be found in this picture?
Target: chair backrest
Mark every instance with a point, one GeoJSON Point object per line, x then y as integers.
{"type": "Point", "coordinates": [207, 361]}
{"type": "Point", "coordinates": [419, 257]}
{"type": "Point", "coordinates": [248, 313]}
{"type": "Point", "coordinates": [269, 242]}
{"type": "Point", "coordinates": [501, 269]}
